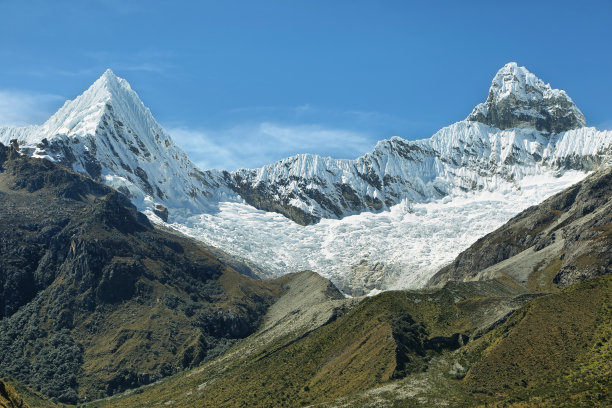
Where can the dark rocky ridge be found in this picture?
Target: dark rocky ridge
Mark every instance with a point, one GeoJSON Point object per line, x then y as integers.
{"type": "Point", "coordinates": [94, 299]}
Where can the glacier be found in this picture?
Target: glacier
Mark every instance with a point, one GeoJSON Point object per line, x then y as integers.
{"type": "Point", "coordinates": [372, 251]}
{"type": "Point", "coordinates": [386, 220]}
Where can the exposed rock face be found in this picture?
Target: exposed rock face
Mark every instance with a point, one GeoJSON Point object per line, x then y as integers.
{"type": "Point", "coordinates": [518, 99]}
{"type": "Point", "coordinates": [310, 301]}
{"type": "Point", "coordinates": [161, 211]}
{"type": "Point", "coordinates": [564, 240]}
{"type": "Point", "coordinates": [365, 278]}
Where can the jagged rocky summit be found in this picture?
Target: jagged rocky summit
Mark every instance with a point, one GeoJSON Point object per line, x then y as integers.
{"type": "Point", "coordinates": [519, 99]}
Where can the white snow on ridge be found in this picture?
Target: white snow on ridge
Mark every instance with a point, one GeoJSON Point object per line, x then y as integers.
{"type": "Point", "coordinates": [517, 82]}
{"type": "Point", "coordinates": [108, 133]}
{"type": "Point", "coordinates": [464, 156]}
{"type": "Point", "coordinates": [411, 241]}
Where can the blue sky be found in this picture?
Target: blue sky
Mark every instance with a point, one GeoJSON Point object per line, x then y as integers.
{"type": "Point", "coordinates": [243, 83]}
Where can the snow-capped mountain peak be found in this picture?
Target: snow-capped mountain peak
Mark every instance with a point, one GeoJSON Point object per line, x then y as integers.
{"type": "Point", "coordinates": [519, 99]}
{"type": "Point", "coordinates": [518, 81]}
{"type": "Point", "coordinates": [109, 134]}
{"type": "Point", "coordinates": [108, 94]}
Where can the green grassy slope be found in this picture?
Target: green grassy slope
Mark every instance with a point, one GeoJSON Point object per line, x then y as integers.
{"type": "Point", "coordinates": [390, 336]}
{"type": "Point", "coordinates": [9, 398]}
{"type": "Point", "coordinates": [553, 352]}
{"type": "Point", "coordinates": [28, 397]}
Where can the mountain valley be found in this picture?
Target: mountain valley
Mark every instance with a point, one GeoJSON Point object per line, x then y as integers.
{"type": "Point", "coordinates": [471, 268]}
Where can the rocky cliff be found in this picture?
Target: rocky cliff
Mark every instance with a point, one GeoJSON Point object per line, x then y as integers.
{"type": "Point", "coordinates": [518, 99]}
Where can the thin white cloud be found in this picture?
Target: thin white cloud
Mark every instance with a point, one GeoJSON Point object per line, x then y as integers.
{"type": "Point", "coordinates": [314, 138]}
{"type": "Point", "coordinates": [145, 60]}
{"type": "Point", "coordinates": [20, 108]}
{"type": "Point", "coordinates": [249, 146]}
{"type": "Point", "coordinates": [149, 60]}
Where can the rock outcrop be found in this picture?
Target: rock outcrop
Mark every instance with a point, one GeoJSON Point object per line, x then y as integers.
{"type": "Point", "coordinates": [518, 99]}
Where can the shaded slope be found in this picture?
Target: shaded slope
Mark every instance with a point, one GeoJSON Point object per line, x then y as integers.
{"type": "Point", "coordinates": [95, 299]}
{"type": "Point", "coordinates": [563, 240]}
{"type": "Point", "coordinates": [555, 351]}
{"type": "Point", "coordinates": [9, 398]}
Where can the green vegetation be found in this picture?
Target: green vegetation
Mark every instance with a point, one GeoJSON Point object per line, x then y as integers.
{"type": "Point", "coordinates": [9, 398]}
{"type": "Point", "coordinates": [542, 278]}
{"type": "Point", "coordinates": [31, 398]}
{"type": "Point", "coordinates": [554, 352]}
{"type": "Point", "coordinates": [94, 300]}
{"type": "Point", "coordinates": [97, 303]}
{"type": "Point", "coordinates": [384, 338]}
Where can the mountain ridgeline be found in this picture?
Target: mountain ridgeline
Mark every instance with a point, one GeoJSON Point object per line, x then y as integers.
{"type": "Point", "coordinates": [492, 334]}
{"type": "Point", "coordinates": [524, 128]}
{"type": "Point", "coordinates": [117, 304]}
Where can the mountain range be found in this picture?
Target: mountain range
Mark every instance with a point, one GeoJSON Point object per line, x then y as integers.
{"type": "Point", "coordinates": [524, 131]}
{"type": "Point", "coordinates": [522, 318]}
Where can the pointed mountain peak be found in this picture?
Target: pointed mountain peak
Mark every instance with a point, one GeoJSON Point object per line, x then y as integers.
{"type": "Point", "coordinates": [83, 114]}
{"type": "Point", "coordinates": [520, 83]}
{"type": "Point", "coordinates": [519, 99]}
{"type": "Point", "coordinates": [109, 73]}
{"type": "Point", "coordinates": [114, 86]}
